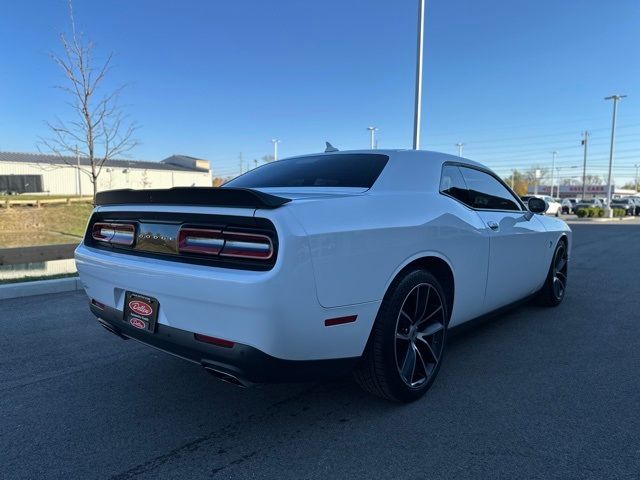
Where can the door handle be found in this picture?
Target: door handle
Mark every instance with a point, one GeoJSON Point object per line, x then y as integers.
{"type": "Point", "coordinates": [493, 225]}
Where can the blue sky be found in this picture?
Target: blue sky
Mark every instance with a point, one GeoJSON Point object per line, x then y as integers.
{"type": "Point", "coordinates": [512, 79]}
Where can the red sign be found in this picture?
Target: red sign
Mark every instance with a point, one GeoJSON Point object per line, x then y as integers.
{"type": "Point", "coordinates": [136, 322]}
{"type": "Point", "coordinates": [141, 308]}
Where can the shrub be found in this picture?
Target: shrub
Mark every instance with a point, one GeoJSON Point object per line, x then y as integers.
{"type": "Point", "coordinates": [600, 212]}
{"type": "Point", "coordinates": [592, 212]}
{"type": "Point", "coordinates": [619, 212]}
{"type": "Point", "coordinates": [582, 212]}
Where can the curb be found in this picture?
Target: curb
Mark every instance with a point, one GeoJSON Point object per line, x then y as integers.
{"type": "Point", "coordinates": [606, 220]}
{"type": "Point", "coordinates": [39, 287]}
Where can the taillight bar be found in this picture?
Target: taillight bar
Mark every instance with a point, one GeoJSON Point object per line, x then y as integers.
{"type": "Point", "coordinates": [200, 240]}
{"type": "Point", "coordinates": [225, 243]}
{"type": "Point", "coordinates": [114, 233]}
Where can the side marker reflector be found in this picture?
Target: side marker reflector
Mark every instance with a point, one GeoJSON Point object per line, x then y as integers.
{"type": "Point", "coordinates": [340, 320]}
{"type": "Point", "coordinates": [220, 342]}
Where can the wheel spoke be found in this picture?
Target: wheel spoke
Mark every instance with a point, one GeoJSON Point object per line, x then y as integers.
{"type": "Point", "coordinates": [425, 370]}
{"type": "Point", "coordinates": [427, 348]}
{"type": "Point", "coordinates": [405, 315]}
{"type": "Point", "coordinates": [409, 364]}
{"type": "Point", "coordinates": [432, 329]}
{"type": "Point", "coordinates": [561, 263]}
{"type": "Point", "coordinates": [422, 302]}
{"type": "Point", "coordinates": [429, 317]}
{"type": "Point", "coordinates": [402, 336]}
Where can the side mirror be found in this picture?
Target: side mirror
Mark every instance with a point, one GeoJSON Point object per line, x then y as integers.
{"type": "Point", "coordinates": [538, 205]}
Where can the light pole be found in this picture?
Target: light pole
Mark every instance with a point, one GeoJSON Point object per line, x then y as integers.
{"type": "Point", "coordinates": [418, 98]}
{"type": "Point", "coordinates": [615, 99]}
{"type": "Point", "coordinates": [460, 146]}
{"type": "Point", "coordinates": [637, 165]}
{"type": "Point", "coordinates": [585, 144]}
{"type": "Point", "coordinates": [372, 131]}
{"type": "Point", "coordinates": [275, 142]}
{"type": "Point", "coordinates": [553, 164]}
{"type": "Point", "coordinates": [558, 177]}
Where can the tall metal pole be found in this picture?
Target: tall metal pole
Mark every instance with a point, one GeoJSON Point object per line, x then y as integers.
{"type": "Point", "coordinates": [460, 146]}
{"type": "Point", "coordinates": [372, 131]}
{"type": "Point", "coordinates": [615, 99]}
{"type": "Point", "coordinates": [418, 98]}
{"type": "Point", "coordinates": [275, 142]}
{"type": "Point", "coordinates": [637, 165]}
{"type": "Point", "coordinates": [553, 166]}
{"type": "Point", "coordinates": [585, 143]}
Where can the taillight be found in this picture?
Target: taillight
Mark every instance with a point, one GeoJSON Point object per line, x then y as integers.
{"type": "Point", "coordinates": [200, 240]}
{"type": "Point", "coordinates": [247, 245]}
{"type": "Point", "coordinates": [225, 243]}
{"type": "Point", "coordinates": [114, 233]}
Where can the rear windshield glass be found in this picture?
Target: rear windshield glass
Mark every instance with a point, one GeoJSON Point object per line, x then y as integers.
{"type": "Point", "coordinates": [336, 170]}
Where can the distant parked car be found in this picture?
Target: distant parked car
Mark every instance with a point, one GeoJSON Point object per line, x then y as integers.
{"type": "Point", "coordinates": [637, 201]}
{"type": "Point", "coordinates": [588, 203]}
{"type": "Point", "coordinates": [553, 208]}
{"type": "Point", "coordinates": [568, 205]}
{"type": "Point", "coordinates": [626, 204]}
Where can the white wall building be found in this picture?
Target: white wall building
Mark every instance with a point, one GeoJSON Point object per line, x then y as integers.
{"type": "Point", "coordinates": [54, 175]}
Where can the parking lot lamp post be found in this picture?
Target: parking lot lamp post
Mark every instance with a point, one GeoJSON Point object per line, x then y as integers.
{"type": "Point", "coordinates": [615, 99]}
{"type": "Point", "coordinates": [553, 165]}
{"type": "Point", "coordinates": [418, 97]}
{"type": "Point", "coordinates": [275, 142]}
{"type": "Point", "coordinates": [372, 132]}
{"type": "Point", "coordinates": [460, 146]}
{"type": "Point", "coordinates": [637, 165]}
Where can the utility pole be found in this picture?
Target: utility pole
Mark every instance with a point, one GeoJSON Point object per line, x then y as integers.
{"type": "Point", "coordinates": [637, 165]}
{"type": "Point", "coordinates": [418, 97]}
{"type": "Point", "coordinates": [372, 131]}
{"type": "Point", "coordinates": [460, 146]}
{"type": "Point", "coordinates": [615, 99]}
{"type": "Point", "coordinates": [585, 143]}
{"type": "Point", "coordinates": [553, 165]}
{"type": "Point", "coordinates": [241, 163]}
{"type": "Point", "coordinates": [275, 142]}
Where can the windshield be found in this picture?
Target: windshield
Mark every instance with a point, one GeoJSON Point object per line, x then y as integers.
{"type": "Point", "coordinates": [359, 170]}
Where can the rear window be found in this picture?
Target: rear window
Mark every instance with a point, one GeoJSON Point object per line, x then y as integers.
{"type": "Point", "coordinates": [359, 170]}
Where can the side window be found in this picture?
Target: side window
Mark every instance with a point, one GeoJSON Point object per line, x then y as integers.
{"type": "Point", "coordinates": [453, 184]}
{"type": "Point", "coordinates": [487, 192]}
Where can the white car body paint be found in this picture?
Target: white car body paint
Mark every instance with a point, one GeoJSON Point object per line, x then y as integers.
{"type": "Point", "coordinates": [339, 251]}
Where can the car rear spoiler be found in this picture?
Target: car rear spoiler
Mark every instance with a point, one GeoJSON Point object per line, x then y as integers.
{"type": "Point", "coordinates": [201, 196]}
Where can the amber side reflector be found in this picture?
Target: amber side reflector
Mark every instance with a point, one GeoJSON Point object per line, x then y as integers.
{"type": "Point", "coordinates": [340, 320]}
{"type": "Point", "coordinates": [220, 342]}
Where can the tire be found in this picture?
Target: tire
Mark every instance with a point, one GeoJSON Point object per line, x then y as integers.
{"type": "Point", "coordinates": [408, 339]}
{"type": "Point", "coordinates": [555, 286]}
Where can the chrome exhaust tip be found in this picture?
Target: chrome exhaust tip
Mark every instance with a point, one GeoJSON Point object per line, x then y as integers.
{"type": "Point", "coordinates": [226, 377]}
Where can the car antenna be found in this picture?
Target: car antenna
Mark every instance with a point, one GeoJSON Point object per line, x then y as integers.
{"type": "Point", "coordinates": [330, 148]}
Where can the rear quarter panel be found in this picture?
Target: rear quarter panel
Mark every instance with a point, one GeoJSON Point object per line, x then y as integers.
{"type": "Point", "coordinates": [359, 244]}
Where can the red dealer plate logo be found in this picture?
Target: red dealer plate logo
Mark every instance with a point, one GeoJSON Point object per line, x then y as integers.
{"type": "Point", "coordinates": [136, 322]}
{"type": "Point", "coordinates": [141, 308]}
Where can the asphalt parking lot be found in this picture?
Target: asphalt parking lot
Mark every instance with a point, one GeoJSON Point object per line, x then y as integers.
{"type": "Point", "coordinates": [534, 393]}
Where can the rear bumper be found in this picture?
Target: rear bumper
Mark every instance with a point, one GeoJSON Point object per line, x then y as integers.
{"type": "Point", "coordinates": [243, 362]}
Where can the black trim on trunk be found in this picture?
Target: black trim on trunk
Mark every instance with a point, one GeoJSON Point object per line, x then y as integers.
{"type": "Point", "coordinates": [202, 196]}
{"type": "Point", "coordinates": [246, 363]}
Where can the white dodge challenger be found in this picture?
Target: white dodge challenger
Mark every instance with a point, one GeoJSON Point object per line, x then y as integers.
{"type": "Point", "coordinates": [313, 266]}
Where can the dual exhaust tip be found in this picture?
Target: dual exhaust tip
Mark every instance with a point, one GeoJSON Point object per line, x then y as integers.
{"type": "Point", "coordinates": [219, 374]}
{"type": "Point", "coordinates": [226, 377]}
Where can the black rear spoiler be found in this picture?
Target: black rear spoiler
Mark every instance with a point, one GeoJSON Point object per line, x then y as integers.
{"type": "Point", "coordinates": [201, 196]}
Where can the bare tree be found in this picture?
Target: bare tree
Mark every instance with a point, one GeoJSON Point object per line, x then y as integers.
{"type": "Point", "coordinates": [98, 130]}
